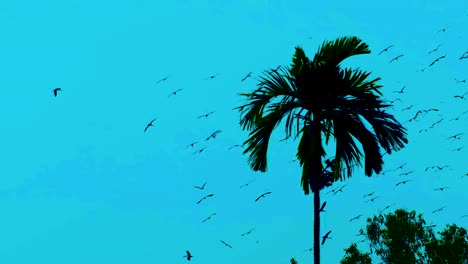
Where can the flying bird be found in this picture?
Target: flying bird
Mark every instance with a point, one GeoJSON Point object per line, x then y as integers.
{"type": "Point", "coordinates": [211, 77]}
{"type": "Point", "coordinates": [206, 115]}
{"type": "Point", "coordinates": [246, 184]}
{"type": "Point", "coordinates": [355, 218]}
{"type": "Point", "coordinates": [440, 189]}
{"type": "Point", "coordinates": [401, 166]}
{"type": "Point", "coordinates": [402, 182]}
{"type": "Point", "coordinates": [401, 91]}
{"type": "Point", "coordinates": [438, 210]}
{"type": "Point", "coordinates": [372, 199]}
{"type": "Point", "coordinates": [247, 76]}
{"type": "Point", "coordinates": [434, 50]}
{"type": "Point", "coordinates": [209, 217]}
{"type": "Point", "coordinates": [322, 207]}
{"type": "Point", "coordinates": [175, 92]}
{"type": "Point", "coordinates": [396, 58]}
{"type": "Point", "coordinates": [162, 80]}
{"type": "Point", "coordinates": [262, 195]}
{"type": "Point", "coordinates": [199, 151]}
{"type": "Point", "coordinates": [209, 195]}
{"type": "Point", "coordinates": [56, 91]}
{"type": "Point", "coordinates": [149, 124]}
{"type": "Point", "coordinates": [457, 136]}
{"type": "Point", "coordinates": [385, 208]}
{"type": "Point", "coordinates": [188, 256]}
{"type": "Point", "coordinates": [369, 194]}
{"type": "Point", "coordinates": [248, 232]}
{"type": "Point", "coordinates": [202, 187]}
{"type": "Point", "coordinates": [226, 244]}
{"type": "Point", "coordinates": [406, 173]}
{"type": "Point", "coordinates": [436, 60]}
{"type": "Point", "coordinates": [461, 96]}
{"type": "Point", "coordinates": [276, 70]}
{"type": "Point", "coordinates": [213, 135]}
{"type": "Point", "coordinates": [235, 146]}
{"type": "Point", "coordinates": [191, 144]}
{"type": "Point", "coordinates": [325, 237]}
{"type": "Point", "coordinates": [384, 50]}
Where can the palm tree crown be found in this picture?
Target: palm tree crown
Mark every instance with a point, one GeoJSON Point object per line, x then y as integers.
{"type": "Point", "coordinates": [337, 101]}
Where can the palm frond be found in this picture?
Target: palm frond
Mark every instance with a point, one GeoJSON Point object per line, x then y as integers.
{"type": "Point", "coordinates": [346, 150]}
{"type": "Point", "coordinates": [372, 158]}
{"type": "Point", "coordinates": [271, 86]}
{"type": "Point", "coordinates": [390, 133]}
{"type": "Point", "coordinates": [259, 137]}
{"type": "Point", "coordinates": [334, 52]}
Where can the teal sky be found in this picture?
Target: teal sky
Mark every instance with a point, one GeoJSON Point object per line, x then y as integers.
{"type": "Point", "coordinates": [81, 183]}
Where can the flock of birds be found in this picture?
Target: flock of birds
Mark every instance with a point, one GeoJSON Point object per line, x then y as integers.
{"type": "Point", "coordinates": [371, 197]}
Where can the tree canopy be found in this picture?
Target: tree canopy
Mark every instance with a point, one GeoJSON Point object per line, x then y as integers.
{"type": "Point", "coordinates": [404, 237]}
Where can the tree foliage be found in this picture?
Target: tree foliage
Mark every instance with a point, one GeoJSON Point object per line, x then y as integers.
{"type": "Point", "coordinates": [404, 237]}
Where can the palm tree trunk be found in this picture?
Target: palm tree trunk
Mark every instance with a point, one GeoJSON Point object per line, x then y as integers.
{"type": "Point", "coordinates": [316, 227]}
{"type": "Point", "coordinates": [314, 181]}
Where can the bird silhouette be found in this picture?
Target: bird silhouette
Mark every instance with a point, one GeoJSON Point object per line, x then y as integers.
{"type": "Point", "coordinates": [206, 115]}
{"type": "Point", "coordinates": [188, 256]}
{"type": "Point", "coordinates": [226, 244]}
{"type": "Point", "coordinates": [209, 217]}
{"type": "Point", "coordinates": [339, 190]}
{"type": "Point", "coordinates": [276, 70]}
{"type": "Point", "coordinates": [325, 237]}
{"type": "Point", "coordinates": [461, 96]}
{"type": "Point", "coordinates": [211, 77]}
{"type": "Point", "coordinates": [460, 81]}
{"type": "Point", "coordinates": [401, 166]}
{"type": "Point", "coordinates": [246, 184]}
{"type": "Point", "coordinates": [262, 195]}
{"type": "Point", "coordinates": [442, 30]}
{"type": "Point", "coordinates": [396, 58]}
{"type": "Point", "coordinates": [248, 232]}
{"type": "Point", "coordinates": [434, 50]}
{"type": "Point", "coordinates": [175, 92]}
{"type": "Point", "coordinates": [369, 194]}
{"type": "Point", "coordinates": [149, 125]}
{"type": "Point", "coordinates": [355, 218]}
{"type": "Point", "coordinates": [199, 151]}
{"type": "Point", "coordinates": [247, 76]}
{"type": "Point", "coordinates": [400, 91]}
{"type": "Point", "coordinates": [162, 80]}
{"type": "Point", "coordinates": [438, 210]}
{"type": "Point", "coordinates": [440, 188]}
{"type": "Point", "coordinates": [209, 195]}
{"type": "Point", "coordinates": [213, 135]}
{"type": "Point", "coordinates": [202, 187]}
{"type": "Point", "coordinates": [457, 136]}
{"type": "Point", "coordinates": [322, 207]}
{"type": "Point", "coordinates": [436, 60]}
{"type": "Point", "coordinates": [191, 144]}
{"type": "Point", "coordinates": [406, 173]}
{"type": "Point", "coordinates": [384, 50]}
{"type": "Point", "coordinates": [385, 208]}
{"type": "Point", "coordinates": [235, 146]}
{"type": "Point", "coordinates": [402, 182]}
{"type": "Point", "coordinates": [56, 90]}
{"type": "Point", "coordinates": [372, 199]}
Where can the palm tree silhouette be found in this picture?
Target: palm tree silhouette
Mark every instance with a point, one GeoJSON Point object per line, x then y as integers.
{"type": "Point", "coordinates": [335, 100]}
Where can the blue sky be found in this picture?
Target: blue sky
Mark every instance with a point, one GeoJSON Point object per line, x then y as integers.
{"type": "Point", "coordinates": [81, 183]}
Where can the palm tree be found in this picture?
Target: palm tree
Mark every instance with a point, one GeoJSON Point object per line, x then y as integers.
{"type": "Point", "coordinates": [335, 101]}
